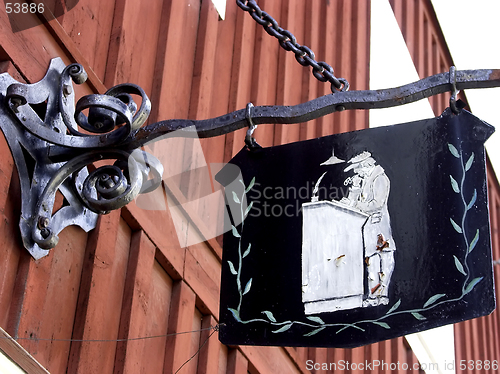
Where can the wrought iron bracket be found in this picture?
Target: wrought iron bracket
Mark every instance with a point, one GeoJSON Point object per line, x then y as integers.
{"type": "Point", "coordinates": [53, 140]}
{"type": "Point", "coordinates": [41, 118]}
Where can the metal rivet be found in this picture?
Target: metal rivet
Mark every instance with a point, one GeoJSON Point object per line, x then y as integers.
{"type": "Point", "coordinates": [67, 90]}
{"type": "Point", "coordinates": [43, 222]}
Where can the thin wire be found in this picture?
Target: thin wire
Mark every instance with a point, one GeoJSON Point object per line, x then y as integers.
{"type": "Point", "coordinates": [215, 328]}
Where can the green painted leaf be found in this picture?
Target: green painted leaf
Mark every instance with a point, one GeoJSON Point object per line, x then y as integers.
{"type": "Point", "coordinates": [252, 182]}
{"type": "Point", "coordinates": [248, 208]}
{"type": "Point", "coordinates": [235, 198]}
{"type": "Point", "coordinates": [269, 315]}
{"type": "Point", "coordinates": [394, 307]}
{"type": "Point", "coordinates": [316, 319]}
{"type": "Point", "coordinates": [248, 286]}
{"type": "Point", "coordinates": [236, 314]}
{"type": "Point", "coordinates": [454, 185]}
{"type": "Point", "coordinates": [231, 267]}
{"type": "Point", "coordinates": [453, 150]}
{"type": "Point", "coordinates": [435, 298]}
{"type": "Point", "coordinates": [469, 162]}
{"type": "Point", "coordinates": [383, 324]}
{"type": "Point", "coordinates": [247, 251]}
{"type": "Point", "coordinates": [459, 266]}
{"type": "Point", "coordinates": [284, 328]}
{"type": "Point", "coordinates": [471, 285]}
{"type": "Point", "coordinates": [455, 226]}
{"type": "Point", "coordinates": [473, 200]}
{"type": "Point", "coordinates": [418, 316]}
{"type": "Point", "coordinates": [235, 232]}
{"type": "Point", "coordinates": [474, 241]}
{"type": "Point", "coordinates": [314, 332]}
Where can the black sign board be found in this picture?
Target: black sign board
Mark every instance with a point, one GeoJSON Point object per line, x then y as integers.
{"type": "Point", "coordinates": [359, 237]}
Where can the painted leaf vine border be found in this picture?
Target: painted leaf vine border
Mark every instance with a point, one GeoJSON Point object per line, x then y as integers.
{"type": "Point", "coordinates": [316, 323]}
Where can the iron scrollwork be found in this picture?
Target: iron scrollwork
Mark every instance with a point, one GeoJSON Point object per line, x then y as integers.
{"type": "Point", "coordinates": [53, 141]}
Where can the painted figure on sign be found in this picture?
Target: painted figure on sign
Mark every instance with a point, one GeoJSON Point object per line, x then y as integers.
{"type": "Point", "coordinates": [368, 193]}
{"type": "Point", "coordinates": [347, 245]}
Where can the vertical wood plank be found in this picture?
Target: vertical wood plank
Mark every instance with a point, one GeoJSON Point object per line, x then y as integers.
{"type": "Point", "coordinates": [203, 97]}
{"type": "Point", "coordinates": [385, 354]}
{"type": "Point", "coordinates": [372, 353]}
{"type": "Point", "coordinates": [319, 356]}
{"type": "Point", "coordinates": [223, 356]}
{"type": "Point", "coordinates": [420, 39]}
{"type": "Point", "coordinates": [335, 356]}
{"type": "Point", "coordinates": [201, 280]}
{"type": "Point", "coordinates": [469, 354]}
{"type": "Point", "coordinates": [409, 16]}
{"type": "Point", "coordinates": [327, 34]}
{"type": "Point", "coordinates": [178, 347]}
{"type": "Point", "coordinates": [236, 362]}
{"type": "Point", "coordinates": [398, 354]}
{"type": "Point", "coordinates": [191, 366]}
{"type": "Point", "coordinates": [172, 78]}
{"type": "Point", "coordinates": [356, 357]}
{"type": "Point", "coordinates": [89, 26]}
{"type": "Point", "coordinates": [361, 58]}
{"type": "Point", "coordinates": [288, 86]}
{"type": "Point", "coordinates": [10, 255]}
{"type": "Point", "coordinates": [265, 71]}
{"type": "Point", "coordinates": [38, 310]}
{"type": "Point", "coordinates": [221, 82]}
{"type": "Point", "coordinates": [101, 293]}
{"type": "Point", "coordinates": [204, 62]}
{"type": "Point", "coordinates": [241, 76]}
{"type": "Point", "coordinates": [10, 202]}
{"type": "Point", "coordinates": [136, 305]}
{"type": "Point", "coordinates": [344, 48]}
{"type": "Point", "coordinates": [493, 204]}
{"type": "Point", "coordinates": [130, 58]}
{"type": "Point", "coordinates": [496, 256]}
{"type": "Point", "coordinates": [208, 362]}
{"type": "Point", "coordinates": [459, 343]}
{"type": "Point", "coordinates": [159, 226]}
{"type": "Point", "coordinates": [309, 82]}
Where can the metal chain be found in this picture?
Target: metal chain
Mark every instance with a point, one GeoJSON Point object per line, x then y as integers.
{"type": "Point", "coordinates": [303, 54]}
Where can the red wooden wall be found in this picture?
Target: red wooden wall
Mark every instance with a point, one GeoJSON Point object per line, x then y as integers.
{"type": "Point", "coordinates": [130, 277]}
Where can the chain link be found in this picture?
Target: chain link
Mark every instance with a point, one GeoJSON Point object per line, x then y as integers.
{"type": "Point", "coordinates": [303, 54]}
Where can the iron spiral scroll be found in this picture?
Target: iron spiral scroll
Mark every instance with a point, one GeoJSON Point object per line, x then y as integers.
{"type": "Point", "coordinates": [54, 141]}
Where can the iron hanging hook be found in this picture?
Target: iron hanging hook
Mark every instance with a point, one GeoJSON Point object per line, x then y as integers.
{"type": "Point", "coordinates": [250, 141]}
{"type": "Point", "coordinates": [456, 106]}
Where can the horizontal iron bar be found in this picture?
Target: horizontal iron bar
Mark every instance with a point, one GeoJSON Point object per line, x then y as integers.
{"type": "Point", "coordinates": [274, 114]}
{"type": "Point", "coordinates": [368, 99]}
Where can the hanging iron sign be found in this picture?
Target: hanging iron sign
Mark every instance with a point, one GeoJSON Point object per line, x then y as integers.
{"type": "Point", "coordinates": [359, 237]}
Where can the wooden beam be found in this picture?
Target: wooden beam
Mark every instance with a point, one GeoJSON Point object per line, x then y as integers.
{"type": "Point", "coordinates": [19, 355]}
